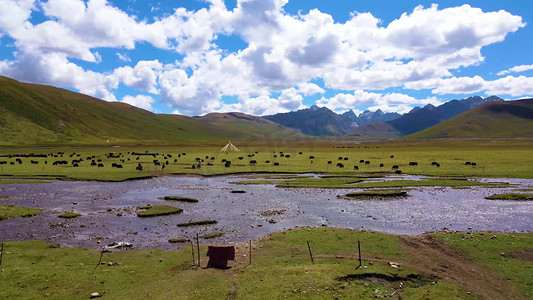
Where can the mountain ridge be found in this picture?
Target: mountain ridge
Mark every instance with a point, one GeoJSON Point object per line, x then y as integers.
{"type": "Point", "coordinates": [425, 117]}
{"type": "Point", "coordinates": [321, 121]}
{"type": "Point", "coordinates": [34, 114]}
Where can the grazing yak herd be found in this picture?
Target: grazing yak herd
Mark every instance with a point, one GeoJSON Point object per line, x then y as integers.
{"type": "Point", "coordinates": [162, 160]}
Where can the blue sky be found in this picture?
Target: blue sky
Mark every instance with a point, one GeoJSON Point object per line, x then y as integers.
{"type": "Point", "coordinates": [267, 56]}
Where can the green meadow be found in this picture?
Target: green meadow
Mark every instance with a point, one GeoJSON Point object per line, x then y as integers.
{"type": "Point", "coordinates": [282, 268]}
{"type": "Point", "coordinates": [11, 211]}
{"type": "Point", "coordinates": [493, 158]}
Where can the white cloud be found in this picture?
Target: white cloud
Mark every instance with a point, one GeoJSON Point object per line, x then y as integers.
{"type": "Point", "coordinates": [140, 101]}
{"type": "Point", "coordinates": [308, 89]}
{"type": "Point", "coordinates": [55, 69]}
{"type": "Point", "coordinates": [514, 86]}
{"type": "Point", "coordinates": [290, 99]}
{"type": "Point", "coordinates": [123, 57]}
{"type": "Point", "coordinates": [386, 102]}
{"type": "Point", "coordinates": [510, 85]}
{"type": "Point", "coordinates": [459, 85]}
{"type": "Point", "coordinates": [191, 96]}
{"type": "Point", "coordinates": [516, 69]}
{"type": "Point", "coordinates": [258, 106]}
{"type": "Point", "coordinates": [283, 53]}
{"type": "Point", "coordinates": [143, 76]}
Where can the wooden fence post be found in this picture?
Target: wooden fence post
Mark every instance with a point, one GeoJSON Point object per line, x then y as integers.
{"type": "Point", "coordinates": [250, 251]}
{"type": "Point", "coordinates": [310, 253]}
{"type": "Point", "coordinates": [192, 248]}
{"type": "Point", "coordinates": [198, 246]}
{"type": "Point", "coordinates": [1, 253]}
{"type": "Point", "coordinates": [100, 260]}
{"type": "Point", "coordinates": [359, 248]}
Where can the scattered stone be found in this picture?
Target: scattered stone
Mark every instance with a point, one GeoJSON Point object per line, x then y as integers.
{"type": "Point", "coordinates": [117, 245]}
{"type": "Point", "coordinates": [95, 295]}
{"type": "Point", "coordinates": [394, 265]}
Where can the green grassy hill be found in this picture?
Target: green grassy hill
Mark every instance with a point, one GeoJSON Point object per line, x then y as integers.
{"type": "Point", "coordinates": [511, 119]}
{"type": "Point", "coordinates": [37, 114]}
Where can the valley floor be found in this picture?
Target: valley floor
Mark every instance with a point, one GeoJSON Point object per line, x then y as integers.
{"type": "Point", "coordinates": [438, 265]}
{"type": "Point", "coordinates": [492, 158]}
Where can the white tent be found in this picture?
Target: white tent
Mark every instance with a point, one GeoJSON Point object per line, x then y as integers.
{"type": "Point", "coordinates": [229, 147]}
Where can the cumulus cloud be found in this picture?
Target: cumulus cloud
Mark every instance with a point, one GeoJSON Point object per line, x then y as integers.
{"type": "Point", "coordinates": [143, 76]}
{"type": "Point", "coordinates": [510, 85]}
{"type": "Point", "coordinates": [514, 86]}
{"type": "Point", "coordinates": [459, 85]}
{"type": "Point", "coordinates": [259, 106]}
{"type": "Point", "coordinates": [308, 89]}
{"type": "Point", "coordinates": [516, 69]}
{"type": "Point", "coordinates": [140, 101]}
{"type": "Point", "coordinates": [386, 102]}
{"type": "Point", "coordinates": [123, 57]}
{"type": "Point", "coordinates": [283, 54]}
{"type": "Point", "coordinates": [55, 69]}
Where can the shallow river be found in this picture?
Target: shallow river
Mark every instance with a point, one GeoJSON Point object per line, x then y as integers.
{"type": "Point", "coordinates": [108, 210]}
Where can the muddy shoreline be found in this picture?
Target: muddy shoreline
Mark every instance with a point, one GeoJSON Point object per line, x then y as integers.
{"type": "Point", "coordinates": [108, 210]}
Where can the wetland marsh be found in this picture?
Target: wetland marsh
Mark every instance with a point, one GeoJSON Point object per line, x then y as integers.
{"type": "Point", "coordinates": [109, 209]}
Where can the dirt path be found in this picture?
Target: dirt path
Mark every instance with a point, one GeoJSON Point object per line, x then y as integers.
{"type": "Point", "coordinates": [439, 261]}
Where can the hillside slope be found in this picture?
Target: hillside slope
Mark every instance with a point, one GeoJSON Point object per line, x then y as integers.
{"type": "Point", "coordinates": [37, 114]}
{"type": "Point", "coordinates": [512, 119]}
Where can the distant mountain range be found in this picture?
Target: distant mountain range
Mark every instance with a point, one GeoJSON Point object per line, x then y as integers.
{"type": "Point", "coordinates": [321, 121]}
{"type": "Point", "coordinates": [430, 115]}
{"type": "Point", "coordinates": [32, 114]}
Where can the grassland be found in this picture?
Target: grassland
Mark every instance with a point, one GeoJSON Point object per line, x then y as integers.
{"type": "Point", "coordinates": [212, 235]}
{"type": "Point", "coordinates": [69, 215]}
{"type": "Point", "coordinates": [377, 194]}
{"type": "Point", "coordinates": [512, 196]}
{"type": "Point", "coordinates": [157, 210]}
{"type": "Point", "coordinates": [11, 211]}
{"type": "Point", "coordinates": [326, 183]}
{"type": "Point", "coordinates": [178, 241]}
{"type": "Point", "coordinates": [506, 254]}
{"type": "Point", "coordinates": [180, 199]}
{"type": "Point", "coordinates": [494, 158]}
{"type": "Point", "coordinates": [349, 182]}
{"type": "Point", "coordinates": [281, 267]}
{"type": "Point", "coordinates": [23, 181]}
{"type": "Point", "coordinates": [197, 223]}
